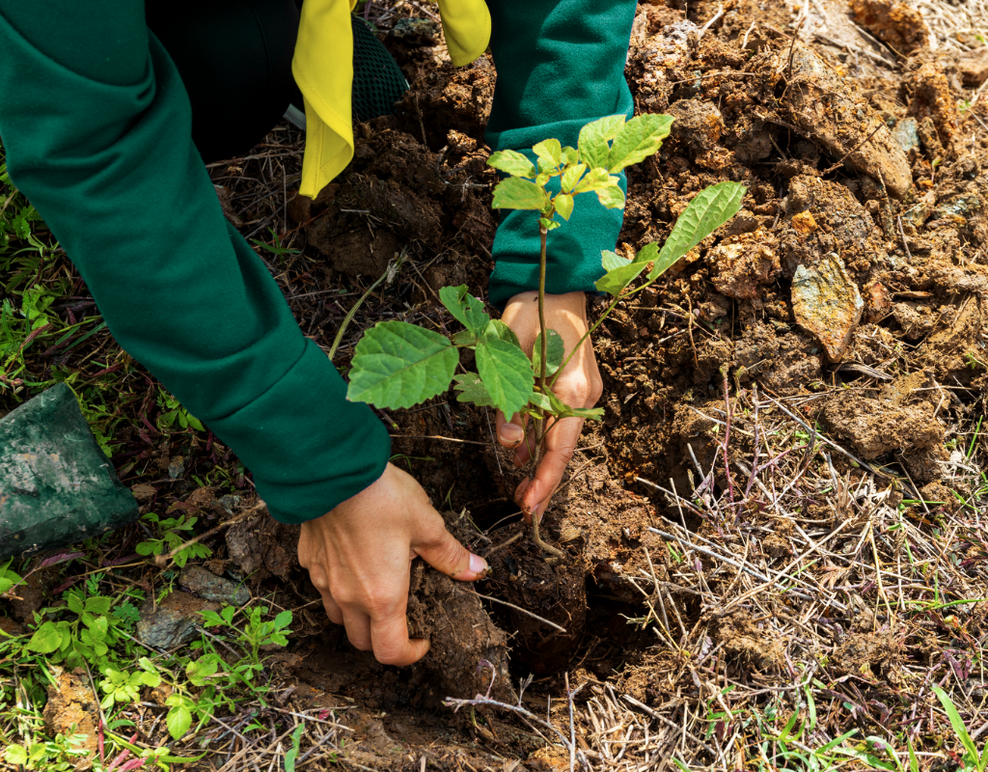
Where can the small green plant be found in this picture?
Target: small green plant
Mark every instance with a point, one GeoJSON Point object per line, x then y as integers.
{"type": "Point", "coordinates": [174, 533]}
{"type": "Point", "coordinates": [175, 417]}
{"type": "Point", "coordinates": [398, 365]}
{"type": "Point", "coordinates": [973, 759]}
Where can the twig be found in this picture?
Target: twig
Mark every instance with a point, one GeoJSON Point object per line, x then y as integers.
{"type": "Point", "coordinates": [526, 612]}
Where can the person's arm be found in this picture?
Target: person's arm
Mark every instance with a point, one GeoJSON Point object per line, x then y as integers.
{"type": "Point", "coordinates": [96, 129]}
{"type": "Point", "coordinates": [560, 65]}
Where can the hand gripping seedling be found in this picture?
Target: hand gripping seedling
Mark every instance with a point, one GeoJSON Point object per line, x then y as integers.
{"type": "Point", "coordinates": [398, 365]}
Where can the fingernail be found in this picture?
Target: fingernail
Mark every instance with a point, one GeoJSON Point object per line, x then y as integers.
{"type": "Point", "coordinates": [512, 434]}
{"type": "Point", "coordinates": [478, 565]}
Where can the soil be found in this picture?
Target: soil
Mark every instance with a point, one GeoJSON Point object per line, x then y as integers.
{"type": "Point", "coordinates": [860, 169]}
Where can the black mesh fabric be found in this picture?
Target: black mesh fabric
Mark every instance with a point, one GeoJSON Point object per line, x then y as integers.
{"type": "Point", "coordinates": [377, 80]}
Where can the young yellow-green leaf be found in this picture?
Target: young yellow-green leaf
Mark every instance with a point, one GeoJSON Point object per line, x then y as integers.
{"type": "Point", "coordinates": [506, 373]}
{"type": "Point", "coordinates": [637, 140]}
{"type": "Point", "coordinates": [563, 202]}
{"type": "Point", "coordinates": [472, 390]}
{"type": "Point", "coordinates": [550, 151]}
{"type": "Point", "coordinates": [15, 754]}
{"type": "Point", "coordinates": [595, 180]}
{"type": "Point", "coordinates": [549, 225]}
{"type": "Point", "coordinates": [594, 139]}
{"type": "Point", "coordinates": [572, 176]}
{"type": "Point", "coordinates": [611, 198]}
{"type": "Point", "coordinates": [178, 721]}
{"type": "Point", "coordinates": [554, 352]}
{"type": "Point", "coordinates": [709, 209]}
{"type": "Point", "coordinates": [498, 329]}
{"type": "Point", "coordinates": [512, 162]}
{"type": "Point", "coordinates": [7, 577]}
{"type": "Point", "coordinates": [621, 272]}
{"type": "Point", "coordinates": [570, 156]}
{"type": "Point", "coordinates": [468, 310]}
{"type": "Point", "coordinates": [46, 639]}
{"type": "Point", "coordinates": [516, 193]}
{"type": "Point", "coordinates": [547, 169]}
{"type": "Point", "coordinates": [398, 365]}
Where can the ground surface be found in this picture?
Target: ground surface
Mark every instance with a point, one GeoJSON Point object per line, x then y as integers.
{"type": "Point", "coordinates": [782, 515]}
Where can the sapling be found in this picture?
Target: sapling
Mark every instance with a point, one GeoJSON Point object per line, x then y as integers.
{"type": "Point", "coordinates": [398, 365]}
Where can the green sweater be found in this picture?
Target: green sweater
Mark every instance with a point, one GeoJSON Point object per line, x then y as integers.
{"type": "Point", "coordinates": [96, 126]}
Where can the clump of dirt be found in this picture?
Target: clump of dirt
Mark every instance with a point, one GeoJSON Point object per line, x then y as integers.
{"type": "Point", "coordinates": [73, 708]}
{"type": "Point", "coordinates": [469, 654]}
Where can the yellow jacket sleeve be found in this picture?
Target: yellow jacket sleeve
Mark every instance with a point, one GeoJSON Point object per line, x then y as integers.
{"type": "Point", "coordinates": [323, 70]}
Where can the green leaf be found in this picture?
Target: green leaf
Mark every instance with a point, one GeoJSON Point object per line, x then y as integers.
{"type": "Point", "coordinates": [15, 754]}
{"type": "Point", "coordinates": [471, 389]}
{"type": "Point", "coordinates": [572, 176]}
{"type": "Point", "coordinates": [709, 209]}
{"type": "Point", "coordinates": [506, 373]}
{"type": "Point", "coordinates": [563, 202]}
{"type": "Point", "coordinates": [621, 272]}
{"type": "Point", "coordinates": [283, 620]}
{"type": "Point", "coordinates": [46, 639]}
{"type": "Point", "coordinates": [98, 604]}
{"type": "Point", "coordinates": [74, 602]}
{"type": "Point", "coordinates": [541, 401]}
{"type": "Point", "coordinates": [7, 577]}
{"type": "Point", "coordinates": [595, 180]}
{"type": "Point", "coordinates": [594, 139]}
{"type": "Point", "coordinates": [498, 329]}
{"type": "Point", "coordinates": [512, 162]}
{"type": "Point", "coordinates": [468, 310]}
{"type": "Point", "coordinates": [550, 151]}
{"type": "Point", "coordinates": [586, 413]}
{"type": "Point", "coordinates": [399, 365]}
{"type": "Point", "coordinates": [611, 198]}
{"type": "Point", "coordinates": [958, 724]}
{"type": "Point", "coordinates": [554, 352]}
{"type": "Point", "coordinates": [178, 721]}
{"type": "Point", "coordinates": [464, 338]}
{"type": "Point", "coordinates": [549, 225]}
{"type": "Point", "coordinates": [570, 156]}
{"type": "Point", "coordinates": [516, 193]}
{"type": "Point", "coordinates": [296, 746]}
{"type": "Point", "coordinates": [638, 139]}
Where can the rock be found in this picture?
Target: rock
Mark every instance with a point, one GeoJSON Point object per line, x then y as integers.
{"type": "Point", "coordinates": [906, 134]}
{"type": "Point", "coordinates": [72, 708]}
{"type": "Point", "coordinates": [898, 25]}
{"type": "Point", "coordinates": [832, 112]}
{"type": "Point", "coordinates": [741, 264]}
{"type": "Point", "coordinates": [173, 622]}
{"type": "Point", "coordinates": [207, 585]}
{"type": "Point", "coordinates": [973, 67]}
{"type": "Point", "coordinates": [57, 486]}
{"type": "Point", "coordinates": [827, 304]}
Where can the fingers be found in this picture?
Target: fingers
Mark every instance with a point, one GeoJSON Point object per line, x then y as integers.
{"type": "Point", "coordinates": [509, 433]}
{"type": "Point", "coordinates": [560, 443]}
{"type": "Point", "coordinates": [446, 554]}
{"type": "Point", "coordinates": [392, 646]}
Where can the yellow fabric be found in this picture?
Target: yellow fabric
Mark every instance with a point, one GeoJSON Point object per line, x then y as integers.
{"type": "Point", "coordinates": [323, 70]}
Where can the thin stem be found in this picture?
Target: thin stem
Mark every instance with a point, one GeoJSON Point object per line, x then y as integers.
{"type": "Point", "coordinates": [543, 234]}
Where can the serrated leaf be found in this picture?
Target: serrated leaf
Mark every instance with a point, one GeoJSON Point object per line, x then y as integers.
{"type": "Point", "coordinates": [709, 209]}
{"type": "Point", "coordinates": [594, 139]}
{"type": "Point", "coordinates": [554, 352]}
{"type": "Point", "coordinates": [506, 373]}
{"type": "Point", "coordinates": [563, 202]}
{"type": "Point", "coordinates": [549, 150]}
{"type": "Point", "coordinates": [611, 198]}
{"type": "Point", "coordinates": [512, 162]}
{"type": "Point", "coordinates": [638, 139]}
{"type": "Point", "coordinates": [471, 389]}
{"type": "Point", "coordinates": [596, 179]}
{"type": "Point", "coordinates": [178, 721]}
{"type": "Point", "coordinates": [468, 310]}
{"type": "Point", "coordinates": [572, 176]}
{"type": "Point", "coordinates": [398, 365]}
{"type": "Point", "coordinates": [498, 329]}
{"type": "Point", "coordinates": [621, 272]}
{"type": "Point", "coordinates": [46, 639]}
{"type": "Point", "coordinates": [516, 193]}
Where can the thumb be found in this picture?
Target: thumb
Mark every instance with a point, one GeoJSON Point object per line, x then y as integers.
{"type": "Point", "coordinates": [509, 433]}
{"type": "Point", "coordinates": [453, 559]}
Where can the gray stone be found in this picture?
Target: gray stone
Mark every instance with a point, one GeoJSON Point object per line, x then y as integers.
{"type": "Point", "coordinates": [827, 304]}
{"type": "Point", "coordinates": [174, 622]}
{"type": "Point", "coordinates": [207, 585]}
{"type": "Point", "coordinates": [56, 485]}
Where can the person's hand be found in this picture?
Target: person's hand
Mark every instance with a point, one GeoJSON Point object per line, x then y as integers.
{"type": "Point", "coordinates": [359, 556]}
{"type": "Point", "coordinates": [579, 385]}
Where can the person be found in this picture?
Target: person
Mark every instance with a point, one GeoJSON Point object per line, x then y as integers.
{"type": "Point", "coordinates": [97, 128]}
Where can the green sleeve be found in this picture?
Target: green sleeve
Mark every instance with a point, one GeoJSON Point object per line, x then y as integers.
{"type": "Point", "coordinates": [96, 128]}
{"type": "Point", "coordinates": [560, 65]}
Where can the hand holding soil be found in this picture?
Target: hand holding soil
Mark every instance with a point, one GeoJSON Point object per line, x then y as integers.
{"type": "Point", "coordinates": [359, 556]}
{"type": "Point", "coordinates": [579, 385]}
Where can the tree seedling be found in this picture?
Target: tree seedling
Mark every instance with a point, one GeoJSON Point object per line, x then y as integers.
{"type": "Point", "coordinates": [398, 365]}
